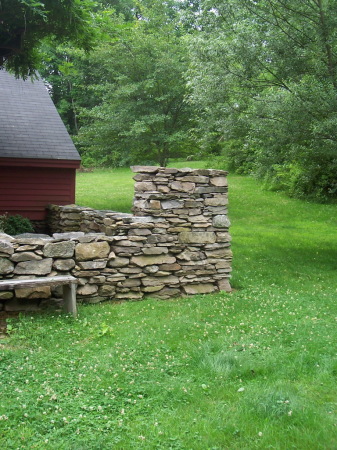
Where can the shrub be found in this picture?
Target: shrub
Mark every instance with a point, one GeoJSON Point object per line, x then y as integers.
{"type": "Point", "coordinates": [17, 224]}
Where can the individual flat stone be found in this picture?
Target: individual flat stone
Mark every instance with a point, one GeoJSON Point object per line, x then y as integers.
{"type": "Point", "coordinates": [219, 253]}
{"type": "Point", "coordinates": [119, 262]}
{"type": "Point", "coordinates": [219, 181]}
{"type": "Point", "coordinates": [155, 281]}
{"type": "Point", "coordinates": [204, 288]}
{"type": "Point", "coordinates": [153, 288]}
{"type": "Point", "coordinates": [93, 250]}
{"type": "Point", "coordinates": [191, 256]}
{"type": "Point", "coordinates": [129, 295]}
{"type": "Point", "coordinates": [155, 250]}
{"type": "Point", "coordinates": [183, 186]}
{"type": "Point", "coordinates": [64, 264]}
{"type": "Point", "coordinates": [6, 266]}
{"type": "Point", "coordinates": [145, 169]}
{"type": "Point", "coordinates": [63, 249]}
{"type": "Point", "coordinates": [167, 292]}
{"type": "Point", "coordinates": [191, 237]}
{"type": "Point", "coordinates": [171, 204]}
{"type": "Point", "coordinates": [88, 289]}
{"type": "Point", "coordinates": [145, 186]}
{"type": "Point", "coordinates": [107, 290]}
{"type": "Point", "coordinates": [131, 282]}
{"type": "Point", "coordinates": [210, 190]}
{"type": "Point", "coordinates": [6, 247]}
{"type": "Point", "coordinates": [71, 235]}
{"type": "Point", "coordinates": [42, 267]}
{"type": "Point", "coordinates": [5, 295]}
{"type": "Point", "coordinates": [6, 237]}
{"type": "Point", "coordinates": [223, 237]}
{"type": "Point", "coordinates": [93, 265]}
{"type": "Point", "coordinates": [195, 179]}
{"type": "Point", "coordinates": [25, 256]}
{"type": "Point", "coordinates": [143, 261]}
{"type": "Point", "coordinates": [35, 292]}
{"type": "Point", "coordinates": [217, 201]}
{"type": "Point", "coordinates": [224, 285]}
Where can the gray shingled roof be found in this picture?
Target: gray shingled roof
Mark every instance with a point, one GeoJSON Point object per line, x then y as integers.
{"type": "Point", "coordinates": [30, 126]}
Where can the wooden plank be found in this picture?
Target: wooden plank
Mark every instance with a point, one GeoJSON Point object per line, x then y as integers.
{"type": "Point", "coordinates": [32, 282]}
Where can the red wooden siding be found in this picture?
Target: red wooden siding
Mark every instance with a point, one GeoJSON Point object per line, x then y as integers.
{"type": "Point", "coordinates": [28, 190]}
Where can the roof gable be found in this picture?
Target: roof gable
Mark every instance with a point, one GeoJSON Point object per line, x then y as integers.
{"type": "Point", "coordinates": [30, 126]}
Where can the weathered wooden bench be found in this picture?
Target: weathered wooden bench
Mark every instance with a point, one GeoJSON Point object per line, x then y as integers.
{"type": "Point", "coordinates": [67, 281]}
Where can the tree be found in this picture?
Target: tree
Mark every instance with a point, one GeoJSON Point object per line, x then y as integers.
{"type": "Point", "coordinates": [24, 24]}
{"type": "Point", "coordinates": [263, 75]}
{"type": "Point", "coordinates": [143, 116]}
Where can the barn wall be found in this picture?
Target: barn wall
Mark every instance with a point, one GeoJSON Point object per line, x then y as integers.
{"type": "Point", "coordinates": [28, 190]}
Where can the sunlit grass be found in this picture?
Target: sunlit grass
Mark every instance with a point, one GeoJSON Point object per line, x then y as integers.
{"type": "Point", "coordinates": [254, 369]}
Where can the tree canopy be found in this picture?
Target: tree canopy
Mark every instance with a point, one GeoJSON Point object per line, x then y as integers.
{"type": "Point", "coordinates": [263, 76]}
{"type": "Point", "coordinates": [252, 83]}
{"type": "Point", "coordinates": [24, 24]}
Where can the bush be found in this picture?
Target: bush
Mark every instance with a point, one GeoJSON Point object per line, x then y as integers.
{"type": "Point", "coordinates": [17, 224]}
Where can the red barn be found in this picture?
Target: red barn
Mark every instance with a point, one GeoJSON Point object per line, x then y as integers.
{"type": "Point", "coordinates": [38, 159]}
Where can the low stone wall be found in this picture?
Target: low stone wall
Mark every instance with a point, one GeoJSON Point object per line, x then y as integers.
{"type": "Point", "coordinates": [176, 243]}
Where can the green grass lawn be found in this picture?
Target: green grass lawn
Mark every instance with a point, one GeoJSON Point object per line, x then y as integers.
{"type": "Point", "coordinates": [254, 369]}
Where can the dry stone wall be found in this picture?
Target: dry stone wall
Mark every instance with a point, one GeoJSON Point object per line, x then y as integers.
{"type": "Point", "coordinates": [175, 243]}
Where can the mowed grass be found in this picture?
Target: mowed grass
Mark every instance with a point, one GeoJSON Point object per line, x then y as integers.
{"type": "Point", "coordinates": [254, 369]}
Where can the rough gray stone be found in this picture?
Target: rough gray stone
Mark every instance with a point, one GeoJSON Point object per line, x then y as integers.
{"type": "Point", "coordinates": [64, 265]}
{"type": "Point", "coordinates": [204, 288]}
{"type": "Point", "coordinates": [143, 261]}
{"type": "Point", "coordinates": [129, 295]}
{"type": "Point", "coordinates": [88, 289]}
{"type": "Point", "coordinates": [145, 169]}
{"type": "Point", "coordinates": [64, 249]}
{"type": "Point", "coordinates": [5, 295]}
{"type": "Point", "coordinates": [6, 237]}
{"type": "Point", "coordinates": [218, 181]}
{"type": "Point", "coordinates": [93, 265]}
{"type": "Point", "coordinates": [107, 290]}
{"type": "Point", "coordinates": [221, 221]}
{"type": "Point", "coordinates": [151, 289]}
{"type": "Point", "coordinates": [191, 256]}
{"type": "Point", "coordinates": [191, 237]}
{"type": "Point", "coordinates": [119, 262]}
{"type": "Point", "coordinates": [6, 266]}
{"type": "Point", "coordinates": [216, 201]}
{"type": "Point", "coordinates": [155, 281]}
{"type": "Point", "coordinates": [183, 186]}
{"type": "Point", "coordinates": [155, 250]}
{"type": "Point", "coordinates": [195, 179]}
{"type": "Point", "coordinates": [42, 267]}
{"type": "Point", "coordinates": [224, 285]}
{"type": "Point", "coordinates": [145, 186]}
{"type": "Point", "coordinates": [171, 204]}
{"type": "Point", "coordinates": [71, 235]}
{"type": "Point", "coordinates": [35, 292]}
{"type": "Point", "coordinates": [25, 256]}
{"type": "Point", "coordinates": [6, 247]}
{"type": "Point", "coordinates": [93, 250]}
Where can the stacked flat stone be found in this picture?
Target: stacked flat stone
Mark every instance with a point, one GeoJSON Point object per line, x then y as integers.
{"type": "Point", "coordinates": [176, 243]}
{"type": "Point", "coordinates": [193, 204]}
{"type": "Point", "coordinates": [65, 218]}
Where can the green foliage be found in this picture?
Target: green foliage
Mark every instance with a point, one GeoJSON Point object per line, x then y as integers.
{"type": "Point", "coordinates": [17, 224]}
{"type": "Point", "coordinates": [143, 116]}
{"type": "Point", "coordinates": [253, 369]}
{"type": "Point", "coordinates": [26, 23]}
{"type": "Point", "coordinates": [265, 74]}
